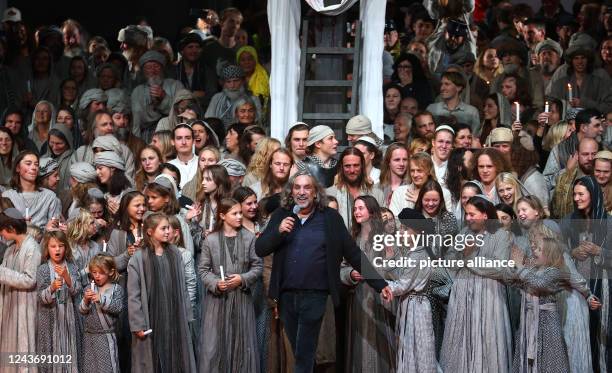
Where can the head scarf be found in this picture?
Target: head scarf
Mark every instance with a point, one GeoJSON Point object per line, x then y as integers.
{"type": "Point", "coordinates": [109, 159]}
{"type": "Point", "coordinates": [259, 82]}
{"type": "Point", "coordinates": [47, 166]}
{"type": "Point", "coordinates": [53, 115]}
{"type": "Point", "coordinates": [83, 172]}
{"type": "Point", "coordinates": [108, 143]}
{"type": "Point", "coordinates": [94, 94]}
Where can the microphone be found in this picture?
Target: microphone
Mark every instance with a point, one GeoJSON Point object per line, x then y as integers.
{"type": "Point", "coordinates": [296, 209]}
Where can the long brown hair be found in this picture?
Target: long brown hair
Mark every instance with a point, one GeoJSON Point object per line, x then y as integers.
{"type": "Point", "coordinates": [221, 178]}
{"type": "Point", "coordinates": [140, 178]}
{"type": "Point", "coordinates": [362, 180]}
{"type": "Point", "coordinates": [498, 160]}
{"type": "Point", "coordinates": [151, 222]}
{"type": "Point", "coordinates": [223, 207]}
{"type": "Point", "coordinates": [375, 217]}
{"type": "Point", "coordinates": [268, 183]}
{"type": "Point", "coordinates": [430, 186]}
{"type": "Point", "coordinates": [385, 170]}
{"type": "Point", "coordinates": [61, 237]}
{"type": "Point", "coordinates": [172, 207]}
{"type": "Point", "coordinates": [15, 179]}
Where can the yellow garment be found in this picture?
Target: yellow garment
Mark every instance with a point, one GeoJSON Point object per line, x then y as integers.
{"type": "Point", "coordinates": [259, 82]}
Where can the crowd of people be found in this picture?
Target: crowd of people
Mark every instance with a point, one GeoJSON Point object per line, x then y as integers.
{"type": "Point", "coordinates": [150, 224]}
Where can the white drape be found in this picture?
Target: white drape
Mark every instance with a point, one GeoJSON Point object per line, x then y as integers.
{"type": "Point", "coordinates": [284, 18]}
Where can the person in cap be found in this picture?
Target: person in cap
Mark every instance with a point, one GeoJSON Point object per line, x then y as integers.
{"type": "Point", "coordinates": [134, 42]}
{"type": "Point", "coordinates": [38, 205]}
{"type": "Point", "coordinates": [185, 107]}
{"type": "Point", "coordinates": [195, 75]}
{"type": "Point", "coordinates": [120, 109]}
{"type": "Point", "coordinates": [320, 161]}
{"type": "Point", "coordinates": [82, 177]}
{"type": "Point", "coordinates": [590, 85]}
{"type": "Point", "coordinates": [110, 169]}
{"type": "Point", "coordinates": [18, 292]}
{"type": "Point", "coordinates": [101, 134]}
{"type": "Point", "coordinates": [152, 100]}
{"type": "Point", "coordinates": [92, 101]}
{"type": "Point", "coordinates": [452, 85]}
{"type": "Point", "coordinates": [235, 169]}
{"type": "Point", "coordinates": [547, 55]}
{"type": "Point", "coordinates": [359, 126]}
{"type": "Point", "coordinates": [602, 171]}
{"type": "Point", "coordinates": [441, 146]}
{"type": "Point", "coordinates": [49, 173]}
{"type": "Point", "coordinates": [234, 87]}
{"type": "Point", "coordinates": [588, 125]}
{"type": "Point", "coordinates": [450, 37]}
{"type": "Point", "coordinates": [391, 39]}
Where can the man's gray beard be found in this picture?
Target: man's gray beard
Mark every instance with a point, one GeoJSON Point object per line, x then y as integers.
{"type": "Point", "coordinates": [122, 134]}
{"type": "Point", "coordinates": [73, 52]}
{"type": "Point", "coordinates": [234, 94]}
{"type": "Point", "coordinates": [548, 69]}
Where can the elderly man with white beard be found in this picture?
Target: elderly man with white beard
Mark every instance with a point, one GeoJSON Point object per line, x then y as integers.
{"type": "Point", "coordinates": [234, 87]}
{"type": "Point", "coordinates": [152, 100]}
{"type": "Point", "coordinates": [102, 135]}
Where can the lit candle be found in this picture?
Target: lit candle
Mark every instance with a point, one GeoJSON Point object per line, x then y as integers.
{"type": "Point", "coordinates": [518, 111]}
{"type": "Point", "coordinates": [222, 273]}
{"type": "Point", "coordinates": [27, 214]}
{"type": "Point", "coordinates": [92, 286]}
{"type": "Point", "coordinates": [546, 110]}
{"type": "Point", "coordinates": [103, 246]}
{"type": "Point", "coordinates": [570, 95]}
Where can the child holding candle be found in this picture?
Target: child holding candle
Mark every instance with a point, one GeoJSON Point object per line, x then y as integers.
{"type": "Point", "coordinates": [228, 340]}
{"type": "Point", "coordinates": [102, 303]}
{"type": "Point", "coordinates": [81, 228]}
{"type": "Point", "coordinates": [158, 300]}
{"type": "Point", "coordinates": [58, 325]}
{"type": "Point", "coordinates": [215, 186]}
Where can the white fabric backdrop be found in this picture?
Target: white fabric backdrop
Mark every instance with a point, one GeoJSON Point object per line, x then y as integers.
{"type": "Point", "coordinates": [284, 18]}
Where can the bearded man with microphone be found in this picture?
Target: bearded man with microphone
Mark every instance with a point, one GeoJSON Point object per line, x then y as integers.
{"type": "Point", "coordinates": [309, 241]}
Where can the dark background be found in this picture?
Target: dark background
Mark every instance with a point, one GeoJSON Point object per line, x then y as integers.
{"type": "Point", "coordinates": [106, 17]}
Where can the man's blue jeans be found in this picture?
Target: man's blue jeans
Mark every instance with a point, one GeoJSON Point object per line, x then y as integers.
{"type": "Point", "coordinates": [301, 312]}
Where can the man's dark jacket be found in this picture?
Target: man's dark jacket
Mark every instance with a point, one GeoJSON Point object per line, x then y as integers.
{"type": "Point", "coordinates": [339, 244]}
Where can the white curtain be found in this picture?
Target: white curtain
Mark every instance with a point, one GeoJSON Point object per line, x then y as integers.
{"type": "Point", "coordinates": [284, 18]}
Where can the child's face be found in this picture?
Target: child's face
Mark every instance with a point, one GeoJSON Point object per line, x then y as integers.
{"type": "Point", "coordinates": [208, 184]}
{"type": "Point", "coordinates": [539, 256]}
{"type": "Point", "coordinates": [161, 233]}
{"type": "Point", "coordinates": [99, 275]}
{"type": "Point", "coordinates": [57, 249]}
{"type": "Point", "coordinates": [92, 229]}
{"type": "Point", "coordinates": [155, 201]}
{"type": "Point", "coordinates": [233, 218]}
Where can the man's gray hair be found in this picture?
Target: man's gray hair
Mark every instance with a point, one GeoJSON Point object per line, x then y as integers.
{"type": "Point", "coordinates": [287, 201]}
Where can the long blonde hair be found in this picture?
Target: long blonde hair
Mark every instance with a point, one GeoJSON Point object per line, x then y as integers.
{"type": "Point", "coordinates": [261, 158]}
{"type": "Point", "coordinates": [509, 178]}
{"type": "Point", "coordinates": [554, 135]}
{"type": "Point", "coordinates": [78, 229]}
{"type": "Point", "coordinates": [479, 68]}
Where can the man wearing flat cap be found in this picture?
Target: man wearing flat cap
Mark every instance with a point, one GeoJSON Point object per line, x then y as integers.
{"type": "Point", "coordinates": [234, 88]}
{"type": "Point", "coordinates": [135, 40]}
{"type": "Point", "coordinates": [451, 37]}
{"type": "Point", "coordinates": [320, 161]}
{"type": "Point", "coordinates": [195, 75]}
{"type": "Point", "coordinates": [152, 100]}
{"type": "Point", "coordinates": [547, 55]}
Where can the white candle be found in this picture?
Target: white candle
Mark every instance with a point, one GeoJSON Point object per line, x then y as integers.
{"type": "Point", "coordinates": [222, 273]}
{"type": "Point", "coordinates": [546, 109]}
{"type": "Point", "coordinates": [518, 111]}
{"type": "Point", "coordinates": [103, 246]}
{"type": "Point", "coordinates": [27, 214]}
{"type": "Point", "coordinates": [570, 94]}
{"type": "Point", "coordinates": [147, 332]}
{"type": "Point", "coordinates": [92, 286]}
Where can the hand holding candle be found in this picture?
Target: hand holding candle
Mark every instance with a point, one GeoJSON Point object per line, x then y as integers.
{"type": "Point", "coordinates": [222, 273]}
{"type": "Point", "coordinates": [518, 111]}
{"type": "Point", "coordinates": [546, 110]}
{"type": "Point", "coordinates": [570, 94]}
{"type": "Point", "coordinates": [92, 286]}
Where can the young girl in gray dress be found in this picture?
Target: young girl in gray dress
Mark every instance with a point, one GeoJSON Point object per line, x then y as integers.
{"type": "Point", "coordinates": [101, 305]}
{"type": "Point", "coordinates": [58, 325]}
{"type": "Point", "coordinates": [229, 268]}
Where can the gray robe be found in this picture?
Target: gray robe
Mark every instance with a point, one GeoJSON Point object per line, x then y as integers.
{"type": "Point", "coordinates": [228, 342]}
{"type": "Point", "coordinates": [138, 286]}
{"type": "Point", "coordinates": [18, 300]}
{"type": "Point", "coordinates": [145, 115]}
{"type": "Point", "coordinates": [85, 154]}
{"type": "Point", "coordinates": [43, 205]}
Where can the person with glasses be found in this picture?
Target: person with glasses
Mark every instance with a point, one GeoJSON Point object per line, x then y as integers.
{"type": "Point", "coordinates": [409, 75]}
